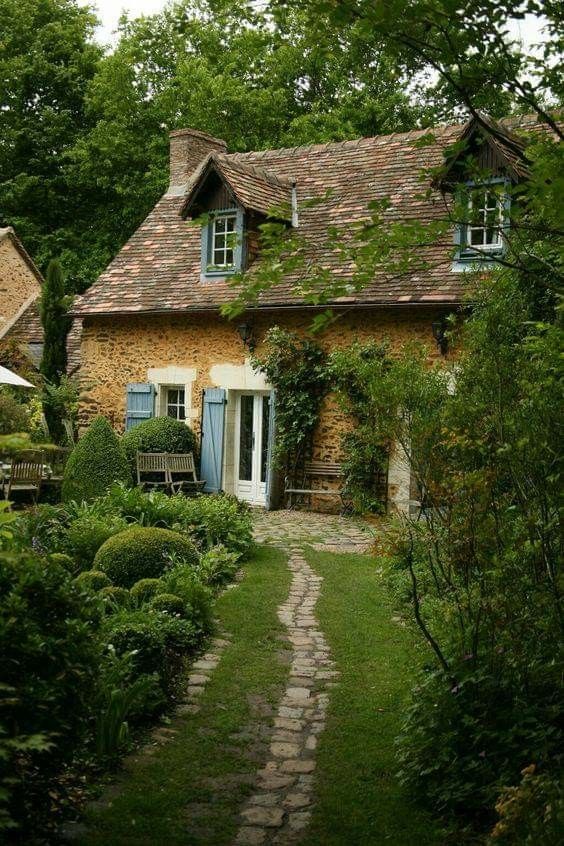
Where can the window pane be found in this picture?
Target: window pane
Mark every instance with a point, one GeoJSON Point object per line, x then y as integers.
{"type": "Point", "coordinates": [172, 395]}
{"type": "Point", "coordinates": [181, 396]}
{"type": "Point", "coordinates": [172, 411]}
{"type": "Point", "coordinates": [246, 439]}
{"type": "Point", "coordinates": [476, 237]}
{"type": "Point", "coordinates": [230, 224]}
{"type": "Point", "coordinates": [264, 441]}
{"type": "Point", "coordinates": [218, 257]}
{"type": "Point", "coordinates": [228, 257]}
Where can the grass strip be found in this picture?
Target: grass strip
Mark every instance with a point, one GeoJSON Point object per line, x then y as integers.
{"type": "Point", "coordinates": [358, 797]}
{"type": "Point", "coordinates": [189, 792]}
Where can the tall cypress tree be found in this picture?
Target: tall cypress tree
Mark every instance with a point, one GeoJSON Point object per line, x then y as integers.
{"type": "Point", "coordinates": [56, 324]}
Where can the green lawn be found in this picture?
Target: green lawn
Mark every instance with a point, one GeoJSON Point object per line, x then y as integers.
{"type": "Point", "coordinates": [359, 800]}
{"type": "Point", "coordinates": [191, 790]}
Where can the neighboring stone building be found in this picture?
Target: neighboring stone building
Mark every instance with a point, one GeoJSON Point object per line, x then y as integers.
{"type": "Point", "coordinates": [20, 290]}
{"type": "Point", "coordinates": [20, 287]}
{"type": "Point", "coordinates": [153, 338]}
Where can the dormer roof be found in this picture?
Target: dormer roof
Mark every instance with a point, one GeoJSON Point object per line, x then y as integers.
{"type": "Point", "coordinates": [491, 144]}
{"type": "Point", "coordinates": [252, 188]}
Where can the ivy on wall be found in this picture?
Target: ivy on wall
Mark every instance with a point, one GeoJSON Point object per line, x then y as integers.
{"type": "Point", "coordinates": [365, 453]}
{"type": "Point", "coordinates": [302, 375]}
{"type": "Point", "coordinates": [297, 369]}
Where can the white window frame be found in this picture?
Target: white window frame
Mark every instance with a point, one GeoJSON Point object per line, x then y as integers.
{"type": "Point", "coordinates": [485, 191]}
{"type": "Point", "coordinates": [219, 230]}
{"type": "Point", "coordinates": [167, 404]}
{"type": "Point", "coordinates": [173, 376]}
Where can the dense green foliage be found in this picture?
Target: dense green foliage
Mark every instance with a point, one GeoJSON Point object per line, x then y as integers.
{"type": "Point", "coordinates": [296, 369]}
{"type": "Point", "coordinates": [13, 414]}
{"type": "Point", "coordinates": [49, 661]}
{"type": "Point", "coordinates": [97, 460]}
{"type": "Point", "coordinates": [143, 552]}
{"type": "Point", "coordinates": [365, 452]}
{"type": "Point", "coordinates": [159, 434]}
{"type": "Point", "coordinates": [53, 308]}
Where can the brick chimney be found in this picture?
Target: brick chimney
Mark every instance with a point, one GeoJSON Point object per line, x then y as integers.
{"type": "Point", "coordinates": [188, 147]}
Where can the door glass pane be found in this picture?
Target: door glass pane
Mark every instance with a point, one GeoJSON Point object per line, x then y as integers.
{"type": "Point", "coordinates": [246, 439]}
{"type": "Point", "coordinates": [264, 440]}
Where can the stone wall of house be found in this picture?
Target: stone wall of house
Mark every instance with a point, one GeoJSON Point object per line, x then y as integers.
{"type": "Point", "coordinates": [18, 284]}
{"type": "Point", "coordinates": [118, 350]}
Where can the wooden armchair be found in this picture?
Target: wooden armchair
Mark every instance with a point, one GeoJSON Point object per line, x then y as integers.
{"type": "Point", "coordinates": [25, 476]}
{"type": "Point", "coordinates": [152, 469]}
{"type": "Point", "coordinates": [182, 473]}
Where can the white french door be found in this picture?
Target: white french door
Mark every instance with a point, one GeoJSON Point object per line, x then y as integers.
{"type": "Point", "coordinates": [251, 453]}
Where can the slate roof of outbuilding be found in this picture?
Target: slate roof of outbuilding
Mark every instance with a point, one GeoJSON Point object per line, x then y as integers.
{"type": "Point", "coordinates": [158, 269]}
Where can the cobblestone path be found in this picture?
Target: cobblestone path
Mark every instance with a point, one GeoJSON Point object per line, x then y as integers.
{"type": "Point", "coordinates": [280, 809]}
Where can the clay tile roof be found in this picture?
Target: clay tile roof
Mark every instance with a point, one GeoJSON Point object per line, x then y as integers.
{"type": "Point", "coordinates": [253, 187]}
{"type": "Point", "coordinates": [158, 270]}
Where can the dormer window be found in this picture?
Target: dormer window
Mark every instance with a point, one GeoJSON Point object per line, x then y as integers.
{"type": "Point", "coordinates": [480, 233]}
{"type": "Point", "coordinates": [222, 243]}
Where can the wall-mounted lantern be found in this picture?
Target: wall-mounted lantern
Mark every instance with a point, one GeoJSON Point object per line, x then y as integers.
{"type": "Point", "coordinates": [439, 328]}
{"type": "Point", "coordinates": [245, 331]}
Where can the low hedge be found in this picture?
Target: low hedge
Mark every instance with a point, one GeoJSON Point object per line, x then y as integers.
{"type": "Point", "coordinates": [169, 604]}
{"type": "Point", "coordinates": [97, 460]}
{"type": "Point", "coordinates": [143, 552]}
{"type": "Point", "coordinates": [159, 434]}
{"type": "Point", "coordinates": [145, 589]}
{"type": "Point", "coordinates": [93, 580]}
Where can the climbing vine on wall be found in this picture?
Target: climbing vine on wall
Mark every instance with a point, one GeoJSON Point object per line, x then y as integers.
{"type": "Point", "coordinates": [365, 454]}
{"type": "Point", "coordinates": [297, 370]}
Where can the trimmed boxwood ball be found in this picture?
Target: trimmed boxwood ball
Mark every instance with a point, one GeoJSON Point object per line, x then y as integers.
{"type": "Point", "coordinates": [93, 579]}
{"type": "Point", "coordinates": [145, 589]}
{"type": "Point", "coordinates": [159, 434]}
{"type": "Point", "coordinates": [96, 462]}
{"type": "Point", "coordinates": [143, 552]}
{"type": "Point", "coordinates": [64, 560]}
{"type": "Point", "coordinates": [115, 597]}
{"type": "Point", "coordinates": [169, 603]}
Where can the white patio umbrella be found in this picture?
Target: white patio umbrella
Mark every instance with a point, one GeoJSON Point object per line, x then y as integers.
{"type": "Point", "coordinates": [9, 378]}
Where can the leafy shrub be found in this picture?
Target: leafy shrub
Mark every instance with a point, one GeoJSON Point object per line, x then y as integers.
{"type": "Point", "coordinates": [63, 560]}
{"type": "Point", "coordinates": [210, 520]}
{"type": "Point", "coordinates": [478, 732]}
{"type": "Point", "coordinates": [158, 643]}
{"type": "Point", "coordinates": [145, 589]}
{"type": "Point", "coordinates": [115, 597]}
{"type": "Point", "coordinates": [97, 460]}
{"type": "Point", "coordinates": [531, 814]}
{"type": "Point", "coordinates": [42, 528]}
{"type": "Point", "coordinates": [13, 415]}
{"type": "Point", "coordinates": [169, 604]}
{"type": "Point", "coordinates": [159, 434]}
{"type": "Point", "coordinates": [50, 661]}
{"type": "Point", "coordinates": [142, 553]}
{"type": "Point", "coordinates": [182, 581]}
{"type": "Point", "coordinates": [93, 580]}
{"type": "Point", "coordinates": [84, 537]}
{"type": "Point", "coordinates": [218, 566]}
{"type": "Point", "coordinates": [219, 520]}
{"type": "Point", "coordinates": [122, 697]}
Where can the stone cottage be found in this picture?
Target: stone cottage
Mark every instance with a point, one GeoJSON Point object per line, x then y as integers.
{"type": "Point", "coordinates": [154, 342]}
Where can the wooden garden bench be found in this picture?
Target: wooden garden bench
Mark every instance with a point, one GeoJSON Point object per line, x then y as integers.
{"type": "Point", "coordinates": [163, 469]}
{"type": "Point", "coordinates": [25, 476]}
{"type": "Point", "coordinates": [315, 470]}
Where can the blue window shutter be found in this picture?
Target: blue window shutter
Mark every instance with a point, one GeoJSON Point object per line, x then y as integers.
{"type": "Point", "coordinates": [140, 403]}
{"type": "Point", "coordinates": [206, 234]}
{"type": "Point", "coordinates": [238, 254]}
{"type": "Point", "coordinates": [213, 420]}
{"type": "Point", "coordinates": [270, 471]}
